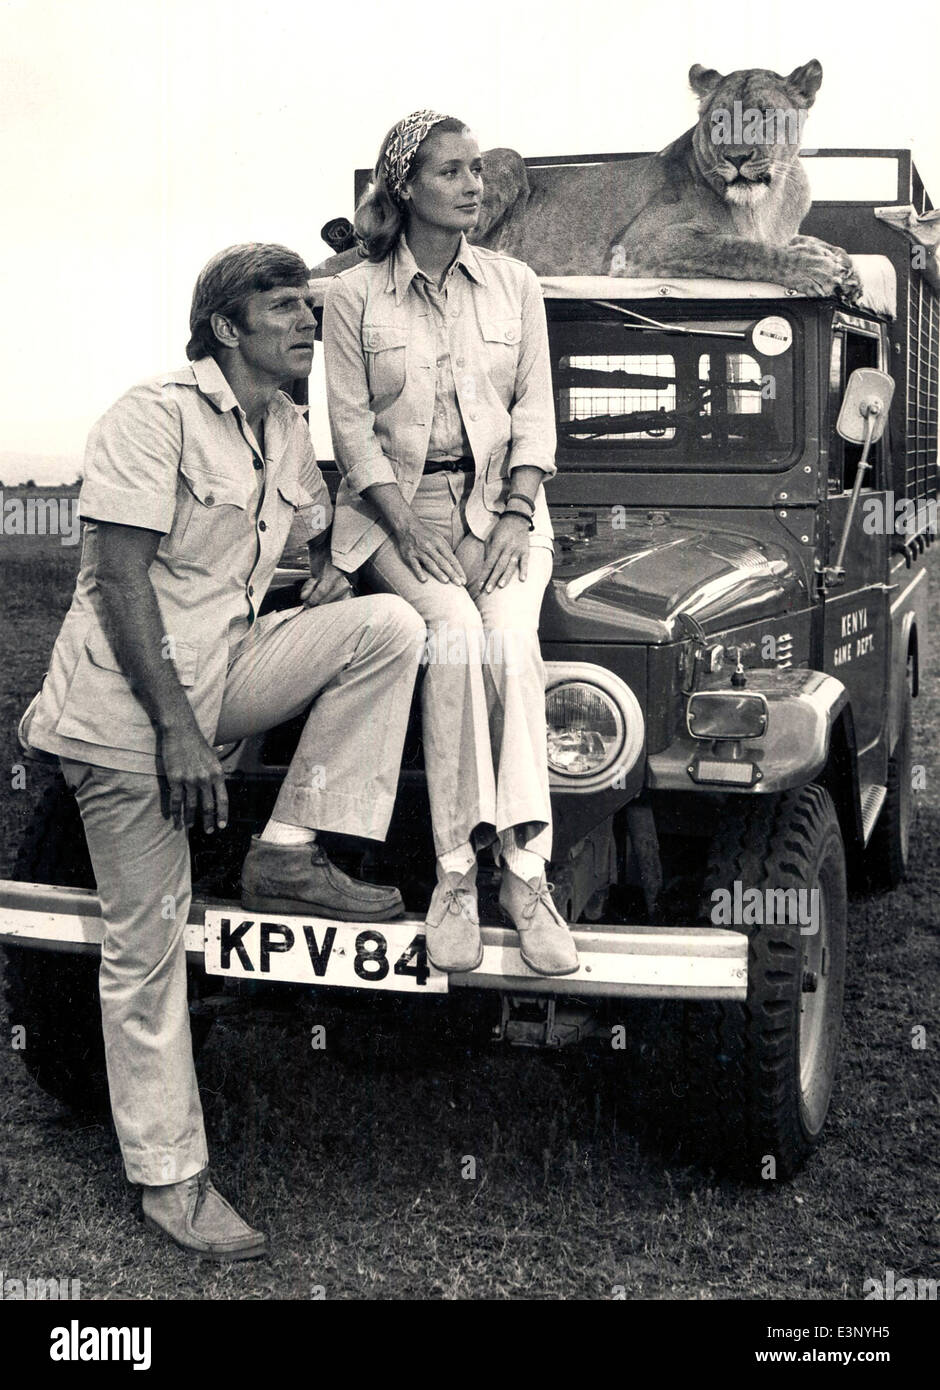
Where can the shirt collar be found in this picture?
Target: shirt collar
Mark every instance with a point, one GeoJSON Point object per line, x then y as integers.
{"type": "Point", "coordinates": [403, 267]}
{"type": "Point", "coordinates": [213, 384]}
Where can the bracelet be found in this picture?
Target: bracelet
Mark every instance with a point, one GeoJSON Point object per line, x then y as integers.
{"type": "Point", "coordinates": [511, 511]}
{"type": "Point", "coordinates": [523, 498]}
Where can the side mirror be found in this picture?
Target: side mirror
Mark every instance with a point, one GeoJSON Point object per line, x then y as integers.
{"type": "Point", "coordinates": [862, 420]}
{"type": "Point", "coordinates": [865, 406]}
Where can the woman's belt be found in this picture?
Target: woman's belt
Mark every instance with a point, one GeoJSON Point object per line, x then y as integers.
{"type": "Point", "coordinates": [462, 465]}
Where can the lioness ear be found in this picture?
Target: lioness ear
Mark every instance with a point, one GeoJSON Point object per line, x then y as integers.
{"type": "Point", "coordinates": [805, 81]}
{"type": "Point", "coordinates": [703, 81]}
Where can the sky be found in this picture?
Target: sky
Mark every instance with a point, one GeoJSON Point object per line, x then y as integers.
{"type": "Point", "coordinates": [138, 137]}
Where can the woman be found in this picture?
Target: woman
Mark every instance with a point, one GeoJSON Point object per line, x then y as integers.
{"type": "Point", "coordinates": [440, 399]}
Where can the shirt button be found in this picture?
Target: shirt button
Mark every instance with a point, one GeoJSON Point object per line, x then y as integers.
{"type": "Point", "coordinates": [210, 499]}
{"type": "Point", "coordinates": [258, 463]}
{"type": "Point", "coordinates": [262, 525]}
{"type": "Point", "coordinates": [251, 591]}
{"type": "Point", "coordinates": [460, 362]}
{"type": "Point", "coordinates": [510, 335]}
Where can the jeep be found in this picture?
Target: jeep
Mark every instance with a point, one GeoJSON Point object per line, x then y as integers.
{"type": "Point", "coordinates": [733, 636]}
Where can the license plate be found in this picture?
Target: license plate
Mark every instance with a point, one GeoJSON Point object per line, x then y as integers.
{"type": "Point", "coordinates": [314, 951]}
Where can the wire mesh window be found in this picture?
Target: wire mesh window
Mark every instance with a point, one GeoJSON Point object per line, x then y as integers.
{"type": "Point", "coordinates": [690, 393]}
{"type": "Point", "coordinates": [604, 385]}
{"type": "Point", "coordinates": [922, 373]}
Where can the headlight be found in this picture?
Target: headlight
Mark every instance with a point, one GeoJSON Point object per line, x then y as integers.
{"type": "Point", "coordinates": [585, 729]}
{"type": "Point", "coordinates": [727, 714]}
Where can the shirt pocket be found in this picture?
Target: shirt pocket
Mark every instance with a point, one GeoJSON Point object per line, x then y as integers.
{"type": "Point", "coordinates": [501, 340]}
{"type": "Point", "coordinates": [386, 350]}
{"type": "Point", "coordinates": [101, 707]}
{"type": "Point", "coordinates": [211, 514]}
{"type": "Point", "coordinates": [291, 498]}
{"type": "Point", "coordinates": [292, 491]}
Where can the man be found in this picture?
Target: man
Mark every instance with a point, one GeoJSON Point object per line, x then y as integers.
{"type": "Point", "coordinates": [192, 483]}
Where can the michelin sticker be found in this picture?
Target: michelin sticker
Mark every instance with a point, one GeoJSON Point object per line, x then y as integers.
{"type": "Point", "coordinates": [771, 336]}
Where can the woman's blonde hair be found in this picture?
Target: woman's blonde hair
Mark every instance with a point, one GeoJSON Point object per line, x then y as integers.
{"type": "Point", "coordinates": [381, 215]}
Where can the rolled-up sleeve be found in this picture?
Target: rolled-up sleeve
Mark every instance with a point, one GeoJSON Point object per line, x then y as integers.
{"type": "Point", "coordinates": [132, 461]}
{"type": "Point", "coordinates": [533, 409]}
{"type": "Point", "coordinates": [359, 455]}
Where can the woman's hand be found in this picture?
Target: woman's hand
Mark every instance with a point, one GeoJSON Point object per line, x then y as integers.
{"type": "Point", "coordinates": [506, 551]}
{"type": "Point", "coordinates": [425, 552]}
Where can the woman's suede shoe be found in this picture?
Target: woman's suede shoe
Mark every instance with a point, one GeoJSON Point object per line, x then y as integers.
{"type": "Point", "coordinates": [300, 879]}
{"type": "Point", "coordinates": [452, 925]}
{"type": "Point", "coordinates": [546, 944]}
{"type": "Point", "coordinates": [199, 1220]}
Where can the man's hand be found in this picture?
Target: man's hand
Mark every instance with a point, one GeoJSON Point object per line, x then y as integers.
{"type": "Point", "coordinates": [329, 586]}
{"type": "Point", "coordinates": [506, 551]}
{"type": "Point", "coordinates": [194, 775]}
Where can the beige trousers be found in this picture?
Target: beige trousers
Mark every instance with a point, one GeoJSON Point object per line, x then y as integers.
{"type": "Point", "coordinates": [360, 658]}
{"type": "Point", "coordinates": [483, 697]}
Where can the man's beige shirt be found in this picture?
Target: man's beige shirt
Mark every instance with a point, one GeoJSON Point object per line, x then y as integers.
{"type": "Point", "coordinates": [175, 455]}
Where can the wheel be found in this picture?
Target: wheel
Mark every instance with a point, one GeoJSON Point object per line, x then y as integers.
{"type": "Point", "coordinates": [53, 995]}
{"type": "Point", "coordinates": [763, 1071]}
{"type": "Point", "coordinates": [889, 847]}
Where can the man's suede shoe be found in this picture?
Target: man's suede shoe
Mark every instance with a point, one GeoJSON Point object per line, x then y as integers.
{"type": "Point", "coordinates": [452, 925]}
{"type": "Point", "coordinates": [300, 879]}
{"type": "Point", "coordinates": [199, 1219]}
{"type": "Point", "coordinates": [546, 944]}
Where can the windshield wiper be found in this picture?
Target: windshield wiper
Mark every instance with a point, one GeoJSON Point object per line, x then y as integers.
{"type": "Point", "coordinates": [643, 322]}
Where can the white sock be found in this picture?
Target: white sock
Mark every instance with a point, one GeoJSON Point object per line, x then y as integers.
{"type": "Point", "coordinates": [524, 863]}
{"type": "Point", "coordinates": [456, 861]}
{"type": "Point", "coordinates": [278, 832]}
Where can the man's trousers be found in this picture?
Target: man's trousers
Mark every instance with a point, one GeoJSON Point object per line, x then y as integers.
{"type": "Point", "coordinates": [359, 658]}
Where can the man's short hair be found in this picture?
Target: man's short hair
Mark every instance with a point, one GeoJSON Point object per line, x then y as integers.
{"type": "Point", "coordinates": [229, 279]}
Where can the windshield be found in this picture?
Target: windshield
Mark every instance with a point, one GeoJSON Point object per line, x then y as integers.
{"type": "Point", "coordinates": [673, 397]}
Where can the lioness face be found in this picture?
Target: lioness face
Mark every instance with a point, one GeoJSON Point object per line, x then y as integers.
{"type": "Point", "coordinates": [750, 128]}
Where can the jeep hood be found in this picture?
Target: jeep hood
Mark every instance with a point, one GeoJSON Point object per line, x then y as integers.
{"type": "Point", "coordinates": [640, 579]}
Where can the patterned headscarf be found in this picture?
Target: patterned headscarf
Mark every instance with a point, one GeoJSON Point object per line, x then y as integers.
{"type": "Point", "coordinates": [402, 146]}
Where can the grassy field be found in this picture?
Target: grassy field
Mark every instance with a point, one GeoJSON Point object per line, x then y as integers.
{"type": "Point", "coordinates": [354, 1156]}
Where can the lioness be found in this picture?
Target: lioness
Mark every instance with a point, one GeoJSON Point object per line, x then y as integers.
{"type": "Point", "coordinates": [725, 199]}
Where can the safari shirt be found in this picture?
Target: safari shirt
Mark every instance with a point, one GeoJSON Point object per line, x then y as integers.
{"type": "Point", "coordinates": [381, 350]}
{"type": "Point", "coordinates": [176, 455]}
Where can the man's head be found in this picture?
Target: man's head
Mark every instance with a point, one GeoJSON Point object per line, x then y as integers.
{"type": "Point", "coordinates": [254, 298]}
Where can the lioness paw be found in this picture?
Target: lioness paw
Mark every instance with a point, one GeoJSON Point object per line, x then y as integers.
{"type": "Point", "coordinates": [816, 267]}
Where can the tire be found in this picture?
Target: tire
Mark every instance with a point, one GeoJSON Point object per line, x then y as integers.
{"type": "Point", "coordinates": [761, 1073]}
{"type": "Point", "coordinates": [53, 995]}
{"type": "Point", "coordinates": [888, 851]}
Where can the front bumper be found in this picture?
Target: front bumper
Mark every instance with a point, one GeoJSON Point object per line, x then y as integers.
{"type": "Point", "coordinates": [617, 961]}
